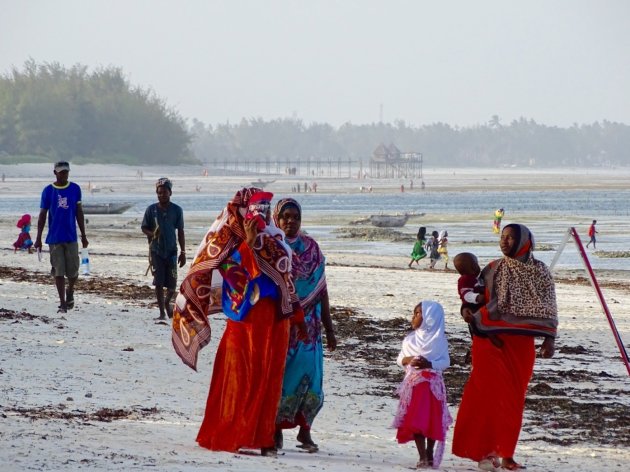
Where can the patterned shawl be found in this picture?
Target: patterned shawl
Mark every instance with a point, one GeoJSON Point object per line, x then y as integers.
{"type": "Point", "coordinates": [201, 291]}
{"type": "Point", "coordinates": [520, 293]}
{"type": "Point", "coordinates": [308, 262]}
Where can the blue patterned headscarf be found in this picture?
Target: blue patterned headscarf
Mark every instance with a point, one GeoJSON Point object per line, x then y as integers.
{"type": "Point", "coordinates": [308, 262]}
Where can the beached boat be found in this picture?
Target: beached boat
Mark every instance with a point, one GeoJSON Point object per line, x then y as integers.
{"type": "Point", "coordinates": [262, 183]}
{"type": "Point", "coordinates": [389, 221]}
{"type": "Point", "coordinates": [105, 208]}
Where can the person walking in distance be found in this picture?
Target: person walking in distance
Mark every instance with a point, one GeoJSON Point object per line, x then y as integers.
{"type": "Point", "coordinates": [61, 205]}
{"type": "Point", "coordinates": [591, 234]}
{"type": "Point", "coordinates": [432, 248]}
{"type": "Point", "coordinates": [419, 251]}
{"type": "Point", "coordinates": [162, 220]}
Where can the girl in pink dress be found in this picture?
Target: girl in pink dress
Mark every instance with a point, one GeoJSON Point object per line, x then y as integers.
{"type": "Point", "coordinates": [422, 414]}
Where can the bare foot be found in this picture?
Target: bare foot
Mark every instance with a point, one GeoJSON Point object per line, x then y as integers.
{"type": "Point", "coordinates": [490, 463]}
{"type": "Point", "coordinates": [304, 436]}
{"type": "Point", "coordinates": [509, 463]}
{"type": "Point", "coordinates": [269, 452]}
{"type": "Point", "coordinates": [278, 439]}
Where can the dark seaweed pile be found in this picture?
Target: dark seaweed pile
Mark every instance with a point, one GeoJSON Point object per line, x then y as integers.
{"type": "Point", "coordinates": [563, 406]}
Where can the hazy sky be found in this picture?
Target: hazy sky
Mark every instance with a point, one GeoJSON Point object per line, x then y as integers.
{"type": "Point", "coordinates": [460, 62]}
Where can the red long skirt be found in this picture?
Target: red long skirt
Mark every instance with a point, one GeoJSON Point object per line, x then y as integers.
{"type": "Point", "coordinates": [246, 382]}
{"type": "Point", "coordinates": [491, 412]}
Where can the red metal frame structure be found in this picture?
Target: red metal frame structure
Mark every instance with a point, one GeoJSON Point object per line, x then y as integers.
{"type": "Point", "coordinates": [571, 232]}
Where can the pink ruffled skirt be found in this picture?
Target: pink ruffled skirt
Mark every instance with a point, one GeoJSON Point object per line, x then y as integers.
{"type": "Point", "coordinates": [425, 413]}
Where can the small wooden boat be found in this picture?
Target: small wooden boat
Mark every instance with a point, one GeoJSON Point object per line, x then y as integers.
{"type": "Point", "coordinates": [105, 208]}
{"type": "Point", "coordinates": [262, 183]}
{"type": "Point", "coordinates": [389, 221]}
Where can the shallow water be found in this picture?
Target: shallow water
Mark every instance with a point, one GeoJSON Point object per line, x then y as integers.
{"type": "Point", "coordinates": [565, 203]}
{"type": "Point", "coordinates": [548, 214]}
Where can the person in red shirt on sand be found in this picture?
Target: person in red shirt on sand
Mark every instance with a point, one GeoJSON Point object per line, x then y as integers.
{"type": "Point", "coordinates": [591, 234]}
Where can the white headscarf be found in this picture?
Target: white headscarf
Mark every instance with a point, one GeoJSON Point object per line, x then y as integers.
{"type": "Point", "coordinates": [429, 340]}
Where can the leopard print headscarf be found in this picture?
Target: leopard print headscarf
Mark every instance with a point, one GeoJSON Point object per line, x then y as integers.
{"type": "Point", "coordinates": [520, 292]}
{"type": "Point", "coordinates": [524, 286]}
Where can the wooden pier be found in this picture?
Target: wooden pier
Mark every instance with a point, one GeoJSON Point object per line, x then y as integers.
{"type": "Point", "coordinates": [404, 165]}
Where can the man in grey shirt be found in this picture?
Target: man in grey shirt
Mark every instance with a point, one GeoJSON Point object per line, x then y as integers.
{"type": "Point", "coordinates": [160, 223]}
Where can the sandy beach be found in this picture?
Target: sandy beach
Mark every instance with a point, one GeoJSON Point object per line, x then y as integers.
{"type": "Point", "coordinates": [101, 388]}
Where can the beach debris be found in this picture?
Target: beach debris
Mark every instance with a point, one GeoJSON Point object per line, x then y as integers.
{"type": "Point", "coordinates": [612, 254]}
{"type": "Point", "coordinates": [20, 316]}
{"type": "Point", "coordinates": [374, 234]}
{"type": "Point", "coordinates": [562, 396]}
{"type": "Point", "coordinates": [107, 287]}
{"type": "Point", "coordinates": [103, 414]}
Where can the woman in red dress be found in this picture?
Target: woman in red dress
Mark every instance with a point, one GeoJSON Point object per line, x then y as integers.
{"type": "Point", "coordinates": [243, 268]}
{"type": "Point", "coordinates": [520, 305]}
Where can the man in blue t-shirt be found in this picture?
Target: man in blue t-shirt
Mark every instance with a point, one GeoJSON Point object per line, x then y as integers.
{"type": "Point", "coordinates": [160, 223]}
{"type": "Point", "coordinates": [61, 202]}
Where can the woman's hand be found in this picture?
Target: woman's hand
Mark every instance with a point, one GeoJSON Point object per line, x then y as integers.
{"type": "Point", "coordinates": [251, 231]}
{"type": "Point", "coordinates": [331, 341]}
{"type": "Point", "coordinates": [467, 314]}
{"type": "Point", "coordinates": [302, 331]}
{"type": "Point", "coordinates": [548, 348]}
{"type": "Point", "coordinates": [182, 259]}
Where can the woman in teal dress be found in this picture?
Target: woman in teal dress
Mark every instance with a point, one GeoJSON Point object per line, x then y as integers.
{"type": "Point", "coordinates": [418, 248]}
{"type": "Point", "coordinates": [302, 392]}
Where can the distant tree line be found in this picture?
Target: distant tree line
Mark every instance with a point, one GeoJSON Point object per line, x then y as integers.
{"type": "Point", "coordinates": [53, 112]}
{"type": "Point", "coordinates": [523, 142]}
{"type": "Point", "coordinates": [48, 110]}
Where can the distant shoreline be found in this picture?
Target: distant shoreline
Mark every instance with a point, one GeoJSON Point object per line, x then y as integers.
{"type": "Point", "coordinates": [21, 178]}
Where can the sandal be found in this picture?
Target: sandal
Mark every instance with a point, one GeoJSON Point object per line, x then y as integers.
{"type": "Point", "coordinates": [511, 464]}
{"type": "Point", "coordinates": [422, 464]}
{"type": "Point", "coordinates": [490, 463]}
{"type": "Point", "coordinates": [307, 443]}
{"type": "Point", "coordinates": [269, 452]}
{"type": "Point", "coordinates": [308, 446]}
